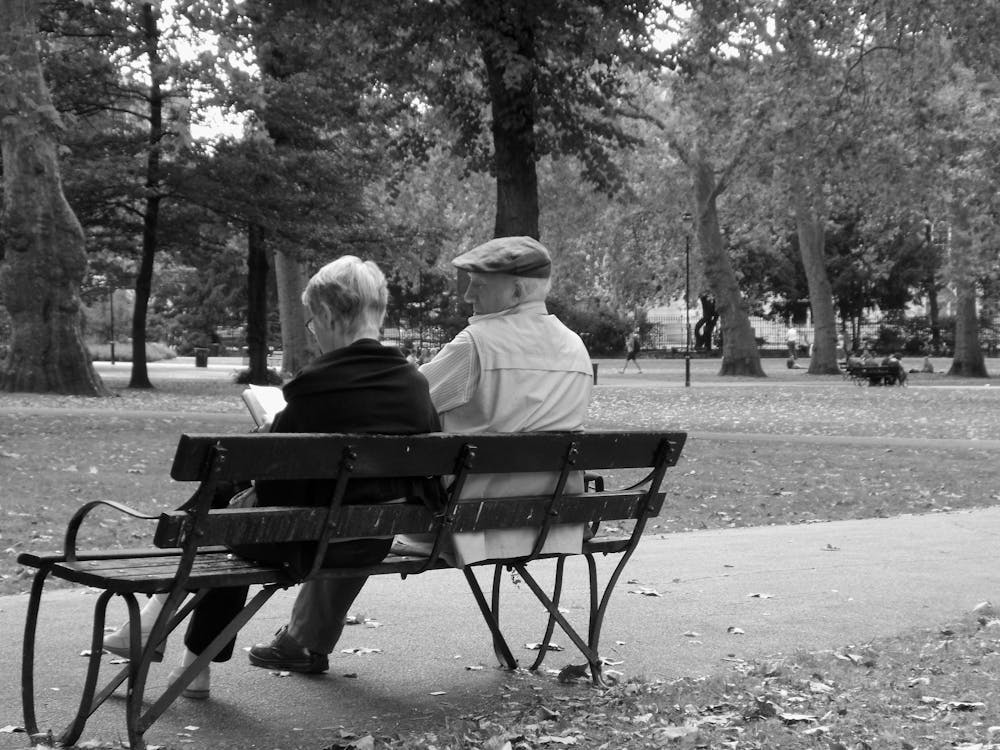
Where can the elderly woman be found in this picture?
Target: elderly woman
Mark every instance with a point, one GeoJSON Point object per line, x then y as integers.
{"type": "Point", "coordinates": [356, 385]}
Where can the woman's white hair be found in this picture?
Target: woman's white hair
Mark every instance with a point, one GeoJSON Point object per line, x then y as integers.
{"type": "Point", "coordinates": [354, 290]}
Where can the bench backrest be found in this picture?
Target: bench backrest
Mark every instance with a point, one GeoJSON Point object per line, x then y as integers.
{"type": "Point", "coordinates": [319, 456]}
{"type": "Point", "coordinates": [210, 459]}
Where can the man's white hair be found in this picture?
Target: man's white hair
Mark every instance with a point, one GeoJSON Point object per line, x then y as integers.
{"type": "Point", "coordinates": [534, 290]}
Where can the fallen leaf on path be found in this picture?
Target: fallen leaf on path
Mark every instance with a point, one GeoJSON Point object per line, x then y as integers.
{"type": "Point", "coordinates": [538, 647]}
{"type": "Point", "coordinates": [645, 591]}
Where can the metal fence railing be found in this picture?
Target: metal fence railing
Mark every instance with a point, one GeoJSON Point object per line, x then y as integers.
{"type": "Point", "coordinates": [669, 333]}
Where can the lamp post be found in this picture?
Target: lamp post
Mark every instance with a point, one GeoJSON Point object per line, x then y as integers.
{"type": "Point", "coordinates": [111, 315]}
{"type": "Point", "coordinates": [687, 298]}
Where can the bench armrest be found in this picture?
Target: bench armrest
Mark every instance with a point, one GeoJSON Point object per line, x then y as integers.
{"type": "Point", "coordinates": [69, 545]}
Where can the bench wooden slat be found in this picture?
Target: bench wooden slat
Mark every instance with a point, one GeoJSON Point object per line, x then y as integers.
{"type": "Point", "coordinates": [270, 525]}
{"type": "Point", "coordinates": [317, 456]}
{"type": "Point", "coordinates": [221, 568]}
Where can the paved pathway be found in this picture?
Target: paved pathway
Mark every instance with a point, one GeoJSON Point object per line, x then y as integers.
{"type": "Point", "coordinates": [822, 585]}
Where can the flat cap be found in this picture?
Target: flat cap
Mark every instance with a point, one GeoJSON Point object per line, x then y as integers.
{"type": "Point", "coordinates": [517, 256]}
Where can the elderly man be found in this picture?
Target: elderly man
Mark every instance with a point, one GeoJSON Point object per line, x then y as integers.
{"type": "Point", "coordinates": [515, 368]}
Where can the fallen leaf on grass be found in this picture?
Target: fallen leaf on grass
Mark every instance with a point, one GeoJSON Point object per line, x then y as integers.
{"type": "Point", "coordinates": [822, 729]}
{"type": "Point", "coordinates": [547, 714]}
{"type": "Point", "coordinates": [819, 687]}
{"type": "Point", "coordinates": [359, 743]}
{"type": "Point", "coordinates": [674, 732]}
{"type": "Point", "coordinates": [853, 658]}
{"type": "Point", "coordinates": [762, 709]}
{"type": "Point", "coordinates": [789, 718]}
{"type": "Point", "coordinates": [572, 672]}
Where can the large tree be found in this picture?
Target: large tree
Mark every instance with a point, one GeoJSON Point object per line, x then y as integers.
{"type": "Point", "coordinates": [41, 241]}
{"type": "Point", "coordinates": [521, 80]}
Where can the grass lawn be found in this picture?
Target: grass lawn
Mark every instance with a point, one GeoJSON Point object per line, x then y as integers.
{"type": "Point", "coordinates": [791, 448]}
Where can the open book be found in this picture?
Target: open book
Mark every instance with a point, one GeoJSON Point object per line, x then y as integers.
{"type": "Point", "coordinates": [264, 402]}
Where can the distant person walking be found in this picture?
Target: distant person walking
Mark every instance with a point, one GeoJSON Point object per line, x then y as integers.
{"type": "Point", "coordinates": [792, 340]}
{"type": "Point", "coordinates": [632, 344]}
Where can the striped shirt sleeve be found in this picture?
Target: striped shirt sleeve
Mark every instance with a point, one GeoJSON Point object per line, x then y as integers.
{"type": "Point", "coordinates": [453, 373]}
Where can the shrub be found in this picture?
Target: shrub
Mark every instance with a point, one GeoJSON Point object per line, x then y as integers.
{"type": "Point", "coordinates": [601, 329]}
{"type": "Point", "coordinates": [273, 377]}
{"type": "Point", "coordinates": [155, 351]}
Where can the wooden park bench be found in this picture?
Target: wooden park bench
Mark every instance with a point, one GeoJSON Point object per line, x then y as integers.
{"type": "Point", "coordinates": [188, 553]}
{"type": "Point", "coordinates": [872, 374]}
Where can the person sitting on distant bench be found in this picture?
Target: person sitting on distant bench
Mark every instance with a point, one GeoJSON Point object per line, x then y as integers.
{"type": "Point", "coordinates": [894, 361]}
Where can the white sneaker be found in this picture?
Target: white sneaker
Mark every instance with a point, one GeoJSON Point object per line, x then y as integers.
{"type": "Point", "coordinates": [117, 642]}
{"type": "Point", "coordinates": [199, 687]}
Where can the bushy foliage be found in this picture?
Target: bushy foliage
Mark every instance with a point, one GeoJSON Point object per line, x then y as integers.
{"type": "Point", "coordinates": [243, 377]}
{"type": "Point", "coordinates": [600, 327]}
{"type": "Point", "coordinates": [155, 351]}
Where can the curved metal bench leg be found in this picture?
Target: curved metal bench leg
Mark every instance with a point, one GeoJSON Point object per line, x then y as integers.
{"type": "Point", "coordinates": [498, 650]}
{"type": "Point", "coordinates": [551, 623]}
{"type": "Point", "coordinates": [598, 619]}
{"type": "Point", "coordinates": [593, 625]}
{"type": "Point", "coordinates": [28, 654]}
{"type": "Point", "coordinates": [590, 654]}
{"type": "Point", "coordinates": [87, 705]}
{"type": "Point", "coordinates": [500, 646]}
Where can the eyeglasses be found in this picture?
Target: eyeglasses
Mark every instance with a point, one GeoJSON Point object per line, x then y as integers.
{"type": "Point", "coordinates": [310, 326]}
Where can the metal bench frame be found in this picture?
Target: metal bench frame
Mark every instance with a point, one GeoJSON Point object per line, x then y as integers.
{"type": "Point", "coordinates": [188, 558]}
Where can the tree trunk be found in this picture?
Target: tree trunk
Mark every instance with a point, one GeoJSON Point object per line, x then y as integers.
{"type": "Point", "coordinates": [740, 355]}
{"type": "Point", "coordinates": [512, 99]}
{"type": "Point", "coordinates": [291, 280]}
{"type": "Point", "coordinates": [151, 214]}
{"type": "Point", "coordinates": [42, 260]}
{"type": "Point", "coordinates": [931, 289]}
{"type": "Point", "coordinates": [968, 360]}
{"type": "Point", "coordinates": [807, 203]}
{"type": "Point", "coordinates": [257, 268]}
